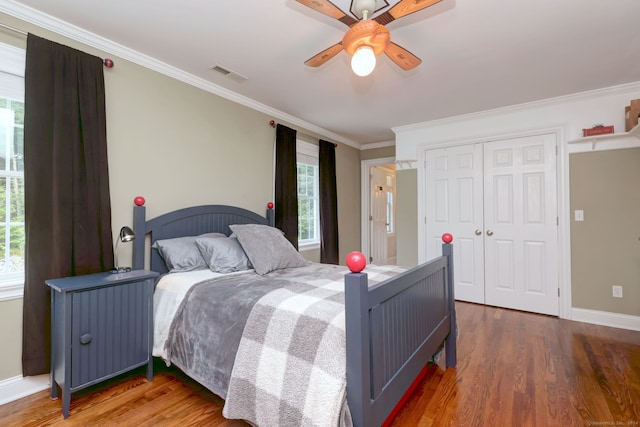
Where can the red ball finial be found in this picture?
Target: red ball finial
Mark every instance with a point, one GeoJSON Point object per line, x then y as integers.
{"type": "Point", "coordinates": [356, 262]}
{"type": "Point", "coordinates": [108, 62]}
{"type": "Point", "coordinates": [139, 201]}
{"type": "Point", "coordinates": [270, 205]}
{"type": "Point", "coordinates": [447, 238]}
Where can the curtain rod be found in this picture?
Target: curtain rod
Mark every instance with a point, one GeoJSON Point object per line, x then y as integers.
{"type": "Point", "coordinates": [273, 124]}
{"type": "Point", "coordinates": [15, 30]}
{"type": "Point", "coordinates": [106, 61]}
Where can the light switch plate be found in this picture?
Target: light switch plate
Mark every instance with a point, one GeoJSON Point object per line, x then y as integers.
{"type": "Point", "coordinates": [579, 215]}
{"type": "Point", "coordinates": [617, 291]}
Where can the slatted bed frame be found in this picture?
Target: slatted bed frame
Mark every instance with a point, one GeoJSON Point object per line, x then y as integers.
{"type": "Point", "coordinates": [392, 329]}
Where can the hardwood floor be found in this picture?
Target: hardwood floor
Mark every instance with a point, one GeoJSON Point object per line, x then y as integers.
{"type": "Point", "coordinates": [514, 369]}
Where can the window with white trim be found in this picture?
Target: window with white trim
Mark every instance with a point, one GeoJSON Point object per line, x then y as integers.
{"type": "Point", "coordinates": [12, 236]}
{"type": "Point", "coordinates": [308, 196]}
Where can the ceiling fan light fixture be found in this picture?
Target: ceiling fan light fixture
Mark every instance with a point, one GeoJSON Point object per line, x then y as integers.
{"type": "Point", "coordinates": [363, 8]}
{"type": "Point", "coordinates": [367, 31]}
{"type": "Point", "coordinates": [363, 61]}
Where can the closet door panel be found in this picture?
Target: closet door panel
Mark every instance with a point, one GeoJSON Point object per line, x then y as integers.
{"type": "Point", "coordinates": [453, 182]}
{"type": "Point", "coordinates": [521, 214]}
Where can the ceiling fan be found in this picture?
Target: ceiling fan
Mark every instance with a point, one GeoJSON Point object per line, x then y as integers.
{"type": "Point", "coordinates": [367, 38]}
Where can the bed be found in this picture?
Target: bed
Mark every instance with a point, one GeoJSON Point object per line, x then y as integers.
{"type": "Point", "coordinates": [376, 330]}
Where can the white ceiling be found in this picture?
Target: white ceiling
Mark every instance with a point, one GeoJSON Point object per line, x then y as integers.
{"type": "Point", "coordinates": [476, 54]}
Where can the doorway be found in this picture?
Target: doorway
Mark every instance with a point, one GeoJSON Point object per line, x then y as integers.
{"type": "Point", "coordinates": [379, 243]}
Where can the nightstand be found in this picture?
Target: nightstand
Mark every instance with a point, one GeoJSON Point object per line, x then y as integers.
{"type": "Point", "coordinates": [101, 326]}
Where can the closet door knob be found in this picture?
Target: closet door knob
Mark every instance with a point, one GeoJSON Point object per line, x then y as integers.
{"type": "Point", "coordinates": [489, 233]}
{"type": "Point", "coordinates": [478, 232]}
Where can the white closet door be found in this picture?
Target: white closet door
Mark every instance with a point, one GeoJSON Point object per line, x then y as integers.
{"type": "Point", "coordinates": [520, 216]}
{"type": "Point", "coordinates": [454, 204]}
{"type": "Point", "coordinates": [499, 201]}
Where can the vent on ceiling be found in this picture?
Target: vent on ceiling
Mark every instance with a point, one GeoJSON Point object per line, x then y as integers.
{"type": "Point", "coordinates": [229, 74]}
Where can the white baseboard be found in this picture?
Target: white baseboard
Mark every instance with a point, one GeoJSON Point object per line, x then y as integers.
{"type": "Point", "coordinates": [605, 318]}
{"type": "Point", "coordinates": [18, 387]}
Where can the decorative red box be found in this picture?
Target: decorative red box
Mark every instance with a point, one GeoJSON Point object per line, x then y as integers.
{"type": "Point", "coordinates": [598, 130]}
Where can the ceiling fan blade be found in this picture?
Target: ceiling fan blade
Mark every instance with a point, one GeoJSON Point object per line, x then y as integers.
{"type": "Point", "coordinates": [329, 9]}
{"type": "Point", "coordinates": [402, 57]}
{"type": "Point", "coordinates": [403, 8]}
{"type": "Point", "coordinates": [324, 56]}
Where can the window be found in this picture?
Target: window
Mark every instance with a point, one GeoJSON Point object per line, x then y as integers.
{"type": "Point", "coordinates": [12, 236]}
{"type": "Point", "coordinates": [391, 209]}
{"type": "Point", "coordinates": [390, 227]}
{"type": "Point", "coordinates": [308, 196]}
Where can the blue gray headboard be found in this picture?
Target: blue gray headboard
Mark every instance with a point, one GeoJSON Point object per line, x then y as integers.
{"type": "Point", "coordinates": [191, 221]}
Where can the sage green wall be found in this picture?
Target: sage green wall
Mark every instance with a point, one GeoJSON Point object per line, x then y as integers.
{"type": "Point", "coordinates": [407, 217]}
{"type": "Point", "coordinates": [378, 153]}
{"type": "Point", "coordinates": [179, 146]}
{"type": "Point", "coordinates": [605, 247]}
{"type": "Point", "coordinates": [348, 184]}
{"type": "Point", "coordinates": [11, 338]}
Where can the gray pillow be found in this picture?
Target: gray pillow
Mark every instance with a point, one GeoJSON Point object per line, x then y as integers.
{"type": "Point", "coordinates": [223, 255]}
{"type": "Point", "coordinates": [267, 248]}
{"type": "Point", "coordinates": [182, 253]}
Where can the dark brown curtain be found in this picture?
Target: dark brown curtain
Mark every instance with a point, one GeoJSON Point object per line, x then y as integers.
{"type": "Point", "coordinates": [67, 204]}
{"type": "Point", "coordinates": [286, 184]}
{"type": "Point", "coordinates": [328, 203]}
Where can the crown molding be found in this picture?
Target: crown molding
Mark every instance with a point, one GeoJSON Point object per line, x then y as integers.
{"type": "Point", "coordinates": [381, 144]}
{"type": "Point", "coordinates": [48, 22]}
{"type": "Point", "coordinates": [595, 93]}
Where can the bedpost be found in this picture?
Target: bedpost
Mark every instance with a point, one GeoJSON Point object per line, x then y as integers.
{"type": "Point", "coordinates": [358, 357]}
{"type": "Point", "coordinates": [140, 231]}
{"type": "Point", "coordinates": [450, 342]}
{"type": "Point", "coordinates": [271, 219]}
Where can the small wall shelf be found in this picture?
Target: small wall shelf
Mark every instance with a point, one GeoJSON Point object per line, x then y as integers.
{"type": "Point", "coordinates": [609, 141]}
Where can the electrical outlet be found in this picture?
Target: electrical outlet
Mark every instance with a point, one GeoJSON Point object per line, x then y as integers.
{"type": "Point", "coordinates": [617, 291]}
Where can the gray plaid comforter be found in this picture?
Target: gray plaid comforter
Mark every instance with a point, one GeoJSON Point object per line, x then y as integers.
{"type": "Point", "coordinates": [290, 367]}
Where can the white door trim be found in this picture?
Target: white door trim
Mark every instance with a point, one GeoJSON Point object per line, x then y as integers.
{"type": "Point", "coordinates": [562, 176]}
{"type": "Point", "coordinates": [365, 191]}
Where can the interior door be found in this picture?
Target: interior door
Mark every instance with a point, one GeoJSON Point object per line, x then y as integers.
{"type": "Point", "coordinates": [378, 218]}
{"type": "Point", "coordinates": [499, 201]}
{"type": "Point", "coordinates": [454, 204]}
{"type": "Point", "coordinates": [520, 220]}
{"type": "Point", "coordinates": [380, 250]}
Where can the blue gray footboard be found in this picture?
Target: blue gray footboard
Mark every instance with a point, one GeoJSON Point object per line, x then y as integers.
{"type": "Point", "coordinates": [392, 330]}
